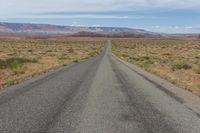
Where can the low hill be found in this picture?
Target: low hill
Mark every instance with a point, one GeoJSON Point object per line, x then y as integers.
{"type": "Point", "coordinates": [46, 29]}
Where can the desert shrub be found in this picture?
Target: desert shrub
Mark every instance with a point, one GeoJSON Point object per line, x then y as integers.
{"type": "Point", "coordinates": [198, 86]}
{"type": "Point", "coordinates": [124, 55]}
{"type": "Point", "coordinates": [16, 68]}
{"type": "Point", "coordinates": [146, 64]}
{"type": "Point", "coordinates": [76, 61]}
{"type": "Point", "coordinates": [142, 58]}
{"type": "Point", "coordinates": [14, 63]}
{"type": "Point", "coordinates": [10, 81]}
{"type": "Point", "coordinates": [145, 58]}
{"type": "Point", "coordinates": [30, 50]}
{"type": "Point", "coordinates": [2, 64]}
{"type": "Point", "coordinates": [93, 53]}
{"type": "Point", "coordinates": [133, 58]}
{"type": "Point", "coordinates": [197, 68]}
{"type": "Point", "coordinates": [49, 51]}
{"type": "Point", "coordinates": [64, 58]}
{"type": "Point", "coordinates": [71, 50]}
{"type": "Point", "coordinates": [180, 65]}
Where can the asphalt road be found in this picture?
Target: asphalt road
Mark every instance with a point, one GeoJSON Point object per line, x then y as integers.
{"type": "Point", "coordinates": [100, 95]}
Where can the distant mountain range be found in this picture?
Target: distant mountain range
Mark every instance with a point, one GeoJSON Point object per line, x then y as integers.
{"type": "Point", "coordinates": [46, 29]}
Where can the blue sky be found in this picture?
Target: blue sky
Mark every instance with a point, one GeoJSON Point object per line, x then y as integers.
{"type": "Point", "coordinates": [168, 16]}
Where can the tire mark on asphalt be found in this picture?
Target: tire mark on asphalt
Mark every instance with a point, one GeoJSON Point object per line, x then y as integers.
{"type": "Point", "coordinates": [169, 93]}
{"type": "Point", "coordinates": [51, 119]}
{"type": "Point", "coordinates": [152, 120]}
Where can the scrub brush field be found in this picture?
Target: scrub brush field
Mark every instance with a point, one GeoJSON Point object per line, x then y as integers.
{"type": "Point", "coordinates": [176, 60]}
{"type": "Point", "coordinates": [21, 59]}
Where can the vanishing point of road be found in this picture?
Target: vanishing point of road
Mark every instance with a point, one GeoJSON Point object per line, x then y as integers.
{"type": "Point", "coordinates": [100, 95]}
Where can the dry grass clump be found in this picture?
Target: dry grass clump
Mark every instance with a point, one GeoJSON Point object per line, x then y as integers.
{"type": "Point", "coordinates": [22, 58]}
{"type": "Point", "coordinates": [197, 68]}
{"type": "Point", "coordinates": [176, 60]}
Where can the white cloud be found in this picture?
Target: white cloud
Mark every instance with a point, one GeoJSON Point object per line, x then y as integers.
{"type": "Point", "coordinates": [18, 8]}
{"type": "Point", "coordinates": [155, 27]}
{"type": "Point", "coordinates": [174, 29]}
{"type": "Point", "coordinates": [86, 16]}
{"type": "Point", "coordinates": [96, 25]}
{"type": "Point", "coordinates": [69, 16]}
{"type": "Point", "coordinates": [188, 27]}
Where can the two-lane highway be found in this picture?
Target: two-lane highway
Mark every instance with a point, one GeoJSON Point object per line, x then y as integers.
{"type": "Point", "coordinates": [99, 95]}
